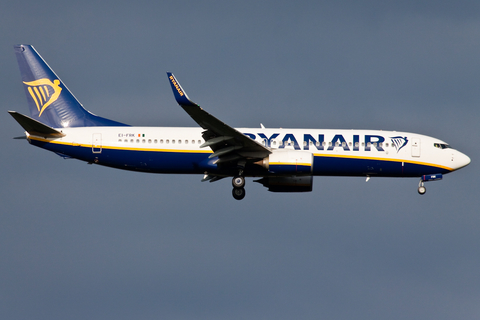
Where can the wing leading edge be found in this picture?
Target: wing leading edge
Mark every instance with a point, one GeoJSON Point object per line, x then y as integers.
{"type": "Point", "coordinates": [227, 143]}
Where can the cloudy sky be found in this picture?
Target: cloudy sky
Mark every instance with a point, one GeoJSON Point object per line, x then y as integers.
{"type": "Point", "coordinates": [81, 241]}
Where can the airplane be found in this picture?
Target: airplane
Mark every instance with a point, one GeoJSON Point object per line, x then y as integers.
{"type": "Point", "coordinates": [283, 160]}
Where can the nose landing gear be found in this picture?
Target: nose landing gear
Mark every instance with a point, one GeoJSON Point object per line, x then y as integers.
{"type": "Point", "coordinates": [428, 177]}
{"type": "Point", "coordinates": [421, 187]}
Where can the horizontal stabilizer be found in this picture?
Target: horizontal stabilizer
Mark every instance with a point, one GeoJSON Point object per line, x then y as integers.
{"type": "Point", "coordinates": [35, 127]}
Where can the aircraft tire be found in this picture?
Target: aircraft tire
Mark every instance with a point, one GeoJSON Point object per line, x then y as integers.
{"type": "Point", "coordinates": [238, 193]}
{"type": "Point", "coordinates": [422, 190]}
{"type": "Point", "coordinates": [238, 182]}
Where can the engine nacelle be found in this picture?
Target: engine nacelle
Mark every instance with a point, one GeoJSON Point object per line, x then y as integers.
{"type": "Point", "coordinates": [288, 184]}
{"type": "Point", "coordinates": [288, 162]}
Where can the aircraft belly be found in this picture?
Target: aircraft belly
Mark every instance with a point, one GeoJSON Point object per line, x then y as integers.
{"type": "Point", "coordinates": [344, 166]}
{"type": "Point", "coordinates": [136, 160]}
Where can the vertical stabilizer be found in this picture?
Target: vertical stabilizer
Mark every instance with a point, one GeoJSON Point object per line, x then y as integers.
{"type": "Point", "coordinates": [49, 100]}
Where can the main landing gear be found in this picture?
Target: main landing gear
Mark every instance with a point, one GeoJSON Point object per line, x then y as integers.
{"type": "Point", "coordinates": [238, 193]}
{"type": "Point", "coordinates": [238, 183]}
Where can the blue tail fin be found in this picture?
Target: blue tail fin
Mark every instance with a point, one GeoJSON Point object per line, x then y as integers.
{"type": "Point", "coordinates": [49, 99]}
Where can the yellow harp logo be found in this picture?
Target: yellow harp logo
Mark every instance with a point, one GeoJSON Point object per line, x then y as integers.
{"type": "Point", "coordinates": [44, 92]}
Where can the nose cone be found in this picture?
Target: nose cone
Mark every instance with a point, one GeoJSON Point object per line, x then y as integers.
{"type": "Point", "coordinates": [461, 160]}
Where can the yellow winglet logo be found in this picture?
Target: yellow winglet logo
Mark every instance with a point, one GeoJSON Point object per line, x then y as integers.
{"type": "Point", "coordinates": [176, 85]}
{"type": "Point", "coordinates": [44, 92]}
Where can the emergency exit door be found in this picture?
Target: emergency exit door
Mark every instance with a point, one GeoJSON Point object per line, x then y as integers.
{"type": "Point", "coordinates": [415, 147]}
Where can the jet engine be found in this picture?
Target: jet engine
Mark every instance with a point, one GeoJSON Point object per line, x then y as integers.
{"type": "Point", "coordinates": [288, 162]}
{"type": "Point", "coordinates": [288, 184]}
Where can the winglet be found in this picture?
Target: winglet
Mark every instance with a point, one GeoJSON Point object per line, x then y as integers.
{"type": "Point", "coordinates": [178, 92]}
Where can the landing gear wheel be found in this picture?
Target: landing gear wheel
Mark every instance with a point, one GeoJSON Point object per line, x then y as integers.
{"type": "Point", "coordinates": [238, 182]}
{"type": "Point", "coordinates": [422, 190]}
{"type": "Point", "coordinates": [238, 193]}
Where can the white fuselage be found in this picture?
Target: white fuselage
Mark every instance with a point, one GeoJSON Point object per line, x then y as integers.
{"type": "Point", "coordinates": [335, 152]}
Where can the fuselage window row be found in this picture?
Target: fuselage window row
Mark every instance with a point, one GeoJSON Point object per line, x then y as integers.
{"type": "Point", "coordinates": [274, 143]}
{"type": "Point", "coordinates": [161, 141]}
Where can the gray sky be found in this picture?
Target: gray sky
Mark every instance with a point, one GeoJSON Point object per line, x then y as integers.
{"type": "Point", "coordinates": [81, 241]}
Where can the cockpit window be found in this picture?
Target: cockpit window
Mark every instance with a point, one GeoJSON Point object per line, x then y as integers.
{"type": "Point", "coordinates": [441, 145]}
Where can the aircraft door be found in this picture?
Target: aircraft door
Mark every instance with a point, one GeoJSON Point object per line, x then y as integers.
{"type": "Point", "coordinates": [415, 147]}
{"type": "Point", "coordinates": [97, 143]}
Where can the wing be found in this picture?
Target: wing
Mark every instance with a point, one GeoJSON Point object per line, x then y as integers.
{"type": "Point", "coordinates": [227, 143]}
